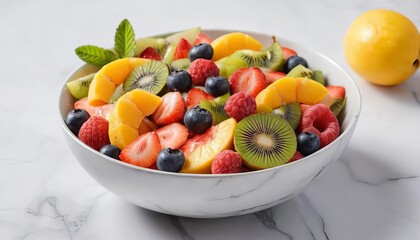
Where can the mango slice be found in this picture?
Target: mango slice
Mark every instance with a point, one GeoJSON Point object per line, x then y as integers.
{"type": "Point", "coordinates": [229, 43]}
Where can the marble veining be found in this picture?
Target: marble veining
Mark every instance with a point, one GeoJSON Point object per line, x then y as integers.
{"type": "Point", "coordinates": [370, 193]}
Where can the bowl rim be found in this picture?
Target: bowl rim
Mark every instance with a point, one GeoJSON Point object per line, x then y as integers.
{"type": "Point", "coordinates": [351, 123]}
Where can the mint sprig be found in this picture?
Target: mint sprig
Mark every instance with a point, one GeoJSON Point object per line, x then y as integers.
{"type": "Point", "coordinates": [95, 55]}
{"type": "Point", "coordinates": [124, 46]}
{"type": "Point", "coordinates": [124, 40]}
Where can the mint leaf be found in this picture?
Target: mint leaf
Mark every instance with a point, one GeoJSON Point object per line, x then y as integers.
{"type": "Point", "coordinates": [95, 55]}
{"type": "Point", "coordinates": [125, 42]}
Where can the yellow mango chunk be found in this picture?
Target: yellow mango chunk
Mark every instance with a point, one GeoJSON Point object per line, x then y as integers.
{"type": "Point", "coordinates": [147, 102]}
{"type": "Point", "coordinates": [286, 89]}
{"type": "Point", "coordinates": [121, 134]}
{"type": "Point", "coordinates": [115, 72]}
{"type": "Point", "coordinates": [229, 43]}
{"type": "Point", "coordinates": [201, 158]}
{"type": "Point", "coordinates": [100, 90]}
{"type": "Point", "coordinates": [268, 99]}
{"type": "Point", "coordinates": [128, 113]}
{"type": "Point", "coordinates": [310, 91]}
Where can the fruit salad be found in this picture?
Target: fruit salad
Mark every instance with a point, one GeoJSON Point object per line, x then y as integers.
{"type": "Point", "coordinates": [191, 104]}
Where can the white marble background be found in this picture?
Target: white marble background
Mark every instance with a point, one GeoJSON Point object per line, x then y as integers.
{"type": "Point", "coordinates": [373, 192]}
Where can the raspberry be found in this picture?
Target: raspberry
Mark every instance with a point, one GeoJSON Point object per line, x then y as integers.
{"type": "Point", "coordinates": [94, 132]}
{"type": "Point", "coordinates": [227, 161]}
{"type": "Point", "coordinates": [240, 105]}
{"type": "Point", "coordinates": [201, 69]}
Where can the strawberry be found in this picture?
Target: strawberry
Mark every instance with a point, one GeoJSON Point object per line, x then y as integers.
{"type": "Point", "coordinates": [196, 140]}
{"type": "Point", "coordinates": [287, 52]}
{"type": "Point", "coordinates": [250, 80]}
{"type": "Point", "coordinates": [173, 135]}
{"type": "Point", "coordinates": [143, 151]}
{"type": "Point", "coordinates": [150, 53]}
{"type": "Point", "coordinates": [337, 92]}
{"type": "Point", "coordinates": [182, 49]}
{"type": "Point", "coordinates": [171, 109]}
{"type": "Point", "coordinates": [202, 38]}
{"type": "Point", "coordinates": [273, 76]}
{"type": "Point", "coordinates": [195, 96]}
{"type": "Point", "coordinates": [94, 132]}
{"type": "Point", "coordinates": [101, 111]}
{"type": "Point", "coordinates": [296, 156]}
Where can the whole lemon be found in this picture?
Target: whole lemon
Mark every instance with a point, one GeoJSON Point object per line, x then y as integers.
{"type": "Point", "coordinates": [383, 47]}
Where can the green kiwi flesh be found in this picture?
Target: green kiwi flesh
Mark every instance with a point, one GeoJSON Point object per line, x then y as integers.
{"type": "Point", "coordinates": [181, 64]}
{"type": "Point", "coordinates": [270, 57]}
{"type": "Point", "coordinates": [300, 71]}
{"type": "Point", "coordinates": [291, 112]}
{"type": "Point", "coordinates": [159, 44]}
{"type": "Point", "coordinates": [338, 105]}
{"type": "Point", "coordinates": [264, 141]}
{"type": "Point", "coordinates": [217, 108]}
{"type": "Point", "coordinates": [230, 64]}
{"type": "Point", "coordinates": [79, 88]}
{"type": "Point", "coordinates": [151, 77]}
{"type": "Point", "coordinates": [318, 76]}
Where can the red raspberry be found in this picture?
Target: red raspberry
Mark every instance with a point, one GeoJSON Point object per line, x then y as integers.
{"type": "Point", "coordinates": [227, 161]}
{"type": "Point", "coordinates": [240, 105]}
{"type": "Point", "coordinates": [201, 69]}
{"type": "Point", "coordinates": [94, 132]}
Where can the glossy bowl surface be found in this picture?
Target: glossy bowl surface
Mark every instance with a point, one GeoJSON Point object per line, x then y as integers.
{"type": "Point", "coordinates": [211, 196]}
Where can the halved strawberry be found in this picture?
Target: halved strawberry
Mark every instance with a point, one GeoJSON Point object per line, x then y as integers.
{"type": "Point", "coordinates": [296, 156]}
{"type": "Point", "coordinates": [195, 96]}
{"type": "Point", "coordinates": [101, 111]}
{"type": "Point", "coordinates": [171, 109]}
{"type": "Point", "coordinates": [150, 53]}
{"type": "Point", "coordinates": [143, 151]}
{"type": "Point", "coordinates": [273, 76]}
{"type": "Point", "coordinates": [173, 135]}
{"type": "Point", "coordinates": [202, 38]}
{"type": "Point", "coordinates": [337, 92]}
{"type": "Point", "coordinates": [287, 52]}
{"type": "Point", "coordinates": [181, 51]}
{"type": "Point", "coordinates": [250, 80]}
{"type": "Point", "coordinates": [196, 140]}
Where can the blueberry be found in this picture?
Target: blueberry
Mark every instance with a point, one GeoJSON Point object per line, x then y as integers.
{"type": "Point", "coordinates": [198, 119]}
{"type": "Point", "coordinates": [179, 81]}
{"type": "Point", "coordinates": [217, 86]}
{"type": "Point", "coordinates": [170, 160]}
{"type": "Point", "coordinates": [75, 119]}
{"type": "Point", "coordinates": [111, 151]}
{"type": "Point", "coordinates": [293, 61]}
{"type": "Point", "coordinates": [202, 50]}
{"type": "Point", "coordinates": [307, 143]}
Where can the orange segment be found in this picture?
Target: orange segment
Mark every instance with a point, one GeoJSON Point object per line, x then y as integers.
{"type": "Point", "coordinates": [229, 43]}
{"type": "Point", "coordinates": [109, 77]}
{"type": "Point", "coordinates": [201, 158]}
{"type": "Point", "coordinates": [290, 89]}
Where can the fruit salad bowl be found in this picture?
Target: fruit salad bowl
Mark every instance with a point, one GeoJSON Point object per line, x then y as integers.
{"type": "Point", "coordinates": [217, 195]}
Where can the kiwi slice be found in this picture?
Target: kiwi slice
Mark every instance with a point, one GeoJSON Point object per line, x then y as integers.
{"type": "Point", "coordinates": [217, 108]}
{"type": "Point", "coordinates": [338, 105]}
{"type": "Point", "coordinates": [181, 64]}
{"type": "Point", "coordinates": [300, 71]}
{"type": "Point", "coordinates": [290, 112]}
{"type": "Point", "coordinates": [151, 77]}
{"type": "Point", "coordinates": [318, 76]}
{"type": "Point", "coordinates": [228, 65]}
{"type": "Point", "coordinates": [264, 140]}
{"type": "Point", "coordinates": [117, 94]}
{"type": "Point", "coordinates": [159, 44]}
{"type": "Point", "coordinates": [79, 88]}
{"type": "Point", "coordinates": [270, 57]}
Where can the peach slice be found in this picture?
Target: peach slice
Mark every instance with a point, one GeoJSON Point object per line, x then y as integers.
{"type": "Point", "coordinates": [199, 160]}
{"type": "Point", "coordinates": [289, 89]}
{"type": "Point", "coordinates": [109, 78]}
{"type": "Point", "coordinates": [229, 43]}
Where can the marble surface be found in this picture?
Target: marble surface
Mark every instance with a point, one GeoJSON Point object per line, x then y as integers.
{"type": "Point", "coordinates": [372, 192]}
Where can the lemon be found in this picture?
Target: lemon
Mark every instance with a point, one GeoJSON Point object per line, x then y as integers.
{"type": "Point", "coordinates": [383, 47]}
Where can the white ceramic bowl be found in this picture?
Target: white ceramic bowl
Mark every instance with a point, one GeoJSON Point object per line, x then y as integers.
{"type": "Point", "coordinates": [211, 196]}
